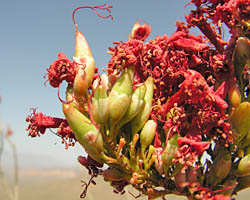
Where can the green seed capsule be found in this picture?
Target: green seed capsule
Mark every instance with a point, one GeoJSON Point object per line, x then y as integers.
{"type": "Point", "coordinates": [84, 76]}
{"type": "Point", "coordinates": [147, 135]}
{"type": "Point", "coordinates": [86, 65]}
{"type": "Point", "coordinates": [218, 173]}
{"type": "Point", "coordinates": [108, 81]}
{"type": "Point", "coordinates": [241, 56]}
{"type": "Point", "coordinates": [225, 161]}
{"type": "Point", "coordinates": [114, 174]}
{"type": "Point", "coordinates": [244, 167]}
{"type": "Point", "coordinates": [120, 96]}
{"type": "Point", "coordinates": [81, 45]}
{"type": "Point", "coordinates": [240, 120]}
{"type": "Point", "coordinates": [234, 95]}
{"type": "Point", "coordinates": [99, 106]}
{"type": "Point", "coordinates": [70, 97]}
{"type": "Point", "coordinates": [169, 153]}
{"type": "Point", "coordinates": [149, 157]}
{"type": "Point", "coordinates": [85, 132]}
{"type": "Point", "coordinates": [140, 119]}
{"type": "Point", "coordinates": [136, 105]}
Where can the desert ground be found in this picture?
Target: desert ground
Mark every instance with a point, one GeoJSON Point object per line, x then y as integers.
{"type": "Point", "coordinates": [66, 185]}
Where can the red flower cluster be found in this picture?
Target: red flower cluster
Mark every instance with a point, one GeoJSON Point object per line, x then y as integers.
{"type": "Point", "coordinates": [39, 123]}
{"type": "Point", "coordinates": [62, 69]}
{"type": "Point", "coordinates": [195, 83]}
{"type": "Point", "coordinates": [198, 109]}
{"type": "Point", "coordinates": [166, 59]}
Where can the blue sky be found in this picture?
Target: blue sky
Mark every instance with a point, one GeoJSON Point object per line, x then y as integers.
{"type": "Point", "coordinates": [33, 32]}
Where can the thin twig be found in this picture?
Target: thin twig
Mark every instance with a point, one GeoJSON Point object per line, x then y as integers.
{"type": "Point", "coordinates": [2, 176]}
{"type": "Point", "coordinates": [16, 180]}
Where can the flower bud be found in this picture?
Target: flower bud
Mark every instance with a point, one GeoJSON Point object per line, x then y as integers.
{"type": "Point", "coordinates": [240, 120]}
{"type": "Point", "coordinates": [241, 55]}
{"type": "Point", "coordinates": [150, 157]}
{"type": "Point", "coordinates": [84, 76]}
{"type": "Point", "coordinates": [136, 105]}
{"type": "Point", "coordinates": [221, 167]}
{"type": "Point", "coordinates": [70, 98]}
{"type": "Point", "coordinates": [169, 153]}
{"type": "Point", "coordinates": [114, 174]}
{"type": "Point", "coordinates": [242, 49]}
{"type": "Point", "coordinates": [120, 96]}
{"type": "Point", "coordinates": [234, 95]}
{"type": "Point", "coordinates": [151, 151]}
{"type": "Point", "coordinates": [85, 132]}
{"type": "Point", "coordinates": [86, 65]}
{"type": "Point", "coordinates": [225, 161]}
{"type": "Point", "coordinates": [81, 45]}
{"type": "Point", "coordinates": [243, 167]}
{"type": "Point", "coordinates": [140, 119]}
{"type": "Point", "coordinates": [108, 81]}
{"type": "Point", "coordinates": [99, 106]}
{"type": "Point", "coordinates": [147, 135]}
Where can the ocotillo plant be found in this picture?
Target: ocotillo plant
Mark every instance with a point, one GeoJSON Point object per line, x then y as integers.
{"type": "Point", "coordinates": [168, 116]}
{"type": "Point", "coordinates": [12, 190]}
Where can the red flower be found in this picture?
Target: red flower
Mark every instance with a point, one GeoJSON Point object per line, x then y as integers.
{"type": "Point", "coordinates": [199, 146]}
{"type": "Point", "coordinates": [198, 110]}
{"type": "Point", "coordinates": [61, 69]}
{"type": "Point", "coordinates": [157, 141]}
{"type": "Point", "coordinates": [124, 54]}
{"type": "Point", "coordinates": [140, 32]}
{"type": "Point", "coordinates": [38, 123]}
{"type": "Point", "coordinates": [196, 89]}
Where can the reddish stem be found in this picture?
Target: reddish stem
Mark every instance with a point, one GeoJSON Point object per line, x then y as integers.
{"type": "Point", "coordinates": [94, 8]}
{"type": "Point", "coordinates": [211, 35]}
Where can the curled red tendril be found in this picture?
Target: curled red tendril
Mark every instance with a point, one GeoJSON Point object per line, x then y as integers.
{"type": "Point", "coordinates": [94, 8]}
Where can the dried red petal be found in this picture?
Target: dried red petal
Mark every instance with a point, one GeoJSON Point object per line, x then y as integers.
{"type": "Point", "coordinates": [189, 44]}
{"type": "Point", "coordinates": [157, 140]}
{"type": "Point", "coordinates": [61, 69]}
{"type": "Point", "coordinates": [199, 146]}
{"type": "Point", "coordinates": [140, 32]}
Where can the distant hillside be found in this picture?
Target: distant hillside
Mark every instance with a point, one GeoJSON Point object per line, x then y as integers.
{"type": "Point", "coordinates": [48, 178]}
{"type": "Point", "coordinates": [66, 185]}
{"type": "Point", "coordinates": [57, 184]}
{"type": "Point", "coordinates": [31, 161]}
